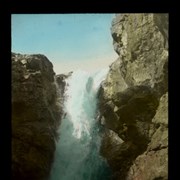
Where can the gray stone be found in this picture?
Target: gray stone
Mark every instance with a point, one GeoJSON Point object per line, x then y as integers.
{"type": "Point", "coordinates": [137, 85]}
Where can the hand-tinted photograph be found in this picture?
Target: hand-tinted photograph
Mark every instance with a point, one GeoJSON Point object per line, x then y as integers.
{"type": "Point", "coordinates": [89, 96]}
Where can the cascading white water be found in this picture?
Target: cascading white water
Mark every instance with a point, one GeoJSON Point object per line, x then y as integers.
{"type": "Point", "coordinates": [77, 151]}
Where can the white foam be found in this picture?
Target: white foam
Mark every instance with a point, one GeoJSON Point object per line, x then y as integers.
{"type": "Point", "coordinates": [77, 151]}
{"type": "Point", "coordinates": [81, 99]}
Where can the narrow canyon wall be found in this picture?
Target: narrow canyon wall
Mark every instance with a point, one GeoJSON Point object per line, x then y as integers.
{"type": "Point", "coordinates": [134, 98]}
{"type": "Point", "coordinates": [36, 114]}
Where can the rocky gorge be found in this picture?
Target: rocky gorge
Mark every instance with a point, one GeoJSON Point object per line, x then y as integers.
{"type": "Point", "coordinates": [132, 105]}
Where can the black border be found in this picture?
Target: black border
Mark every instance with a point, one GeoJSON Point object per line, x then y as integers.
{"type": "Point", "coordinates": [173, 151]}
{"type": "Point", "coordinates": [5, 93]}
{"type": "Point", "coordinates": [93, 6]}
{"type": "Point", "coordinates": [99, 6]}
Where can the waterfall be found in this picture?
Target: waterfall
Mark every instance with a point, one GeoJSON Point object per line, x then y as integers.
{"type": "Point", "coordinates": [77, 151]}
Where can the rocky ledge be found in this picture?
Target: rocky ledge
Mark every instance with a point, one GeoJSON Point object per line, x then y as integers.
{"type": "Point", "coordinates": [133, 100]}
{"type": "Point", "coordinates": [36, 115]}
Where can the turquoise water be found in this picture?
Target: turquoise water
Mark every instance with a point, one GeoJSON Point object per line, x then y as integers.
{"type": "Point", "coordinates": [77, 151]}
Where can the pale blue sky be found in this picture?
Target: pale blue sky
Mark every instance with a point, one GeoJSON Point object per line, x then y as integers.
{"type": "Point", "coordinates": [70, 41]}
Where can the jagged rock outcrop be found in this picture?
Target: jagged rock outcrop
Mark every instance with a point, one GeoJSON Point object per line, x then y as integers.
{"type": "Point", "coordinates": [153, 163]}
{"type": "Point", "coordinates": [35, 116]}
{"type": "Point", "coordinates": [61, 82]}
{"type": "Point", "coordinates": [133, 98]}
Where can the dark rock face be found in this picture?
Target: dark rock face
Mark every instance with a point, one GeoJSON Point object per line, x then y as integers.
{"type": "Point", "coordinates": [35, 116]}
{"type": "Point", "coordinates": [153, 163]}
{"type": "Point", "coordinates": [133, 98]}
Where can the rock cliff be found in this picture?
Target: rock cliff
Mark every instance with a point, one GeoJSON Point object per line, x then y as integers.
{"type": "Point", "coordinates": [36, 114]}
{"type": "Point", "coordinates": [133, 100]}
